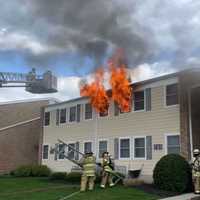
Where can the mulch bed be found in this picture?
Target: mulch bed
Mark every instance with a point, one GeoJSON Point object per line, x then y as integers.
{"type": "Point", "coordinates": [150, 188]}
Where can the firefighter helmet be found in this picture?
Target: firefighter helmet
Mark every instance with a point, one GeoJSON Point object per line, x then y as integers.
{"type": "Point", "coordinates": [196, 152]}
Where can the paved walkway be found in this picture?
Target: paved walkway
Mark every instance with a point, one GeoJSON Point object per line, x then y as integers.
{"type": "Point", "coordinates": [189, 196]}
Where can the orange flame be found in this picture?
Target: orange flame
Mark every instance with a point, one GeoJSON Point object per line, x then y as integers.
{"type": "Point", "coordinates": [121, 89]}
{"type": "Point", "coordinates": [97, 93]}
{"type": "Point", "coordinates": [120, 85]}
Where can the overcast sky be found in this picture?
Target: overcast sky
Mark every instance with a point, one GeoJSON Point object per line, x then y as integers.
{"type": "Point", "coordinates": [73, 37]}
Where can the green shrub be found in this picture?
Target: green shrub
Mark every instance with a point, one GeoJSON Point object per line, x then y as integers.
{"type": "Point", "coordinates": [22, 171]}
{"type": "Point", "coordinates": [73, 177]}
{"type": "Point", "coordinates": [173, 173]}
{"type": "Point", "coordinates": [40, 171]}
{"type": "Point", "coordinates": [58, 176]}
{"type": "Point", "coordinates": [31, 170]}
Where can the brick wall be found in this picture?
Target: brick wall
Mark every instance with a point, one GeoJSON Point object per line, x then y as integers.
{"type": "Point", "coordinates": [19, 145]}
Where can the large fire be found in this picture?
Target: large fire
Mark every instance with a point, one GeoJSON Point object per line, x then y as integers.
{"type": "Point", "coordinates": [97, 93]}
{"type": "Point", "coordinates": [120, 86]}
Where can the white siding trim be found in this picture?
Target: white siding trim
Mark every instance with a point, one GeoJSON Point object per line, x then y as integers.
{"type": "Point", "coordinates": [170, 134]}
{"type": "Point", "coordinates": [130, 148]}
{"type": "Point", "coordinates": [135, 137]}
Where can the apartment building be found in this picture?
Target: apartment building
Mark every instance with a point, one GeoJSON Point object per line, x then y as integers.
{"type": "Point", "coordinates": [164, 119]}
{"type": "Point", "coordinates": [20, 131]}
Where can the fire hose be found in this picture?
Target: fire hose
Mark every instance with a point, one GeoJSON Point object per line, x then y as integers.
{"type": "Point", "coordinates": [62, 151]}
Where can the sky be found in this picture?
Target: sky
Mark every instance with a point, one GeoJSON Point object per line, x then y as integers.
{"type": "Point", "coordinates": [73, 38]}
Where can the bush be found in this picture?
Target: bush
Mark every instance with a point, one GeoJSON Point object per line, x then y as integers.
{"type": "Point", "coordinates": [31, 170]}
{"type": "Point", "coordinates": [173, 173]}
{"type": "Point", "coordinates": [73, 177]}
{"type": "Point", "coordinates": [58, 176]}
{"type": "Point", "coordinates": [40, 170]}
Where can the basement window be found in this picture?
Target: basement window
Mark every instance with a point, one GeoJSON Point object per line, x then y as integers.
{"type": "Point", "coordinates": [45, 152]}
{"type": "Point", "coordinates": [72, 114]}
{"type": "Point", "coordinates": [47, 118]}
{"type": "Point", "coordinates": [102, 147]}
{"type": "Point", "coordinates": [124, 148]}
{"type": "Point", "coordinates": [139, 101]}
{"type": "Point", "coordinates": [63, 115]}
{"type": "Point", "coordinates": [173, 144]}
{"type": "Point", "coordinates": [172, 94]}
{"type": "Point", "coordinates": [88, 111]}
{"type": "Point", "coordinates": [139, 147]}
{"type": "Point", "coordinates": [87, 147]}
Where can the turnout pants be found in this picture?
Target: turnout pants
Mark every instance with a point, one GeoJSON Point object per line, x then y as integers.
{"type": "Point", "coordinates": [87, 180]}
{"type": "Point", "coordinates": [106, 178]}
{"type": "Point", "coordinates": [196, 180]}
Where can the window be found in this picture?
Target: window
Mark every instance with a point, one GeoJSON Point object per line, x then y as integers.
{"type": "Point", "coordinates": [102, 147]}
{"type": "Point", "coordinates": [88, 111]}
{"type": "Point", "coordinates": [63, 115]}
{"type": "Point", "coordinates": [45, 151]}
{"type": "Point", "coordinates": [61, 150]}
{"type": "Point", "coordinates": [103, 114]}
{"type": "Point", "coordinates": [124, 148]}
{"type": "Point", "coordinates": [173, 144]}
{"type": "Point", "coordinates": [87, 147]}
{"type": "Point", "coordinates": [172, 94]}
{"type": "Point", "coordinates": [47, 118]}
{"type": "Point", "coordinates": [57, 117]}
{"type": "Point", "coordinates": [72, 114]}
{"type": "Point", "coordinates": [139, 100]}
{"type": "Point", "coordinates": [139, 147]}
{"type": "Point", "coordinates": [71, 152]}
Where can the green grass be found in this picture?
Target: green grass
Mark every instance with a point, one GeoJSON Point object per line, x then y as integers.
{"type": "Point", "coordinates": [44, 189]}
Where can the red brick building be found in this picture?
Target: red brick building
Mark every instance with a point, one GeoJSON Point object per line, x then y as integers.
{"type": "Point", "coordinates": [20, 128]}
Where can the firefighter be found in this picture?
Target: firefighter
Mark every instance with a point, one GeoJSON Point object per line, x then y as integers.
{"type": "Point", "coordinates": [196, 171]}
{"type": "Point", "coordinates": [108, 167]}
{"type": "Point", "coordinates": [88, 163]}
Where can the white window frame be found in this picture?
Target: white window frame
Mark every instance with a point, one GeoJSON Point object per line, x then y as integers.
{"type": "Point", "coordinates": [45, 144]}
{"type": "Point", "coordinates": [86, 141]}
{"type": "Point", "coordinates": [165, 96]}
{"type": "Point", "coordinates": [133, 102]}
{"type": "Point", "coordinates": [85, 110]}
{"type": "Point", "coordinates": [142, 158]}
{"type": "Point", "coordinates": [102, 140]}
{"type": "Point", "coordinates": [130, 147]}
{"type": "Point", "coordinates": [166, 144]}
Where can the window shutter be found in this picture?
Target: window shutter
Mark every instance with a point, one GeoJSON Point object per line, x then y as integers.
{"type": "Point", "coordinates": [116, 109]}
{"type": "Point", "coordinates": [76, 153]}
{"type": "Point", "coordinates": [57, 116]}
{"type": "Point", "coordinates": [56, 152]}
{"type": "Point", "coordinates": [149, 147]}
{"type": "Point", "coordinates": [78, 113]}
{"type": "Point", "coordinates": [116, 148]}
{"type": "Point", "coordinates": [148, 99]}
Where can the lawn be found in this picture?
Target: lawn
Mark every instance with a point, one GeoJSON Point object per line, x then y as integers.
{"type": "Point", "coordinates": [44, 189]}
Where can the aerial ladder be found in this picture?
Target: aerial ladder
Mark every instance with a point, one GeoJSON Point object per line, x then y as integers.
{"type": "Point", "coordinates": [33, 83]}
